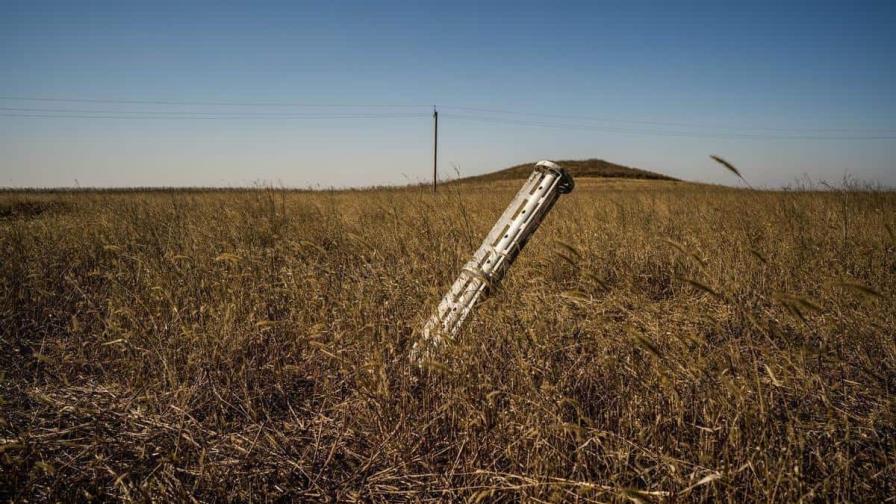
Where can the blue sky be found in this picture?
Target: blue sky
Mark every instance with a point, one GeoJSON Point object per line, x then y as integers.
{"type": "Point", "coordinates": [782, 89]}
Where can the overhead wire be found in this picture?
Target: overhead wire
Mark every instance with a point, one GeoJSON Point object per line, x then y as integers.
{"type": "Point", "coordinates": [205, 113]}
{"type": "Point", "coordinates": [207, 103]}
{"type": "Point", "coordinates": [664, 123]}
{"type": "Point", "coordinates": [155, 114]}
{"type": "Point", "coordinates": [508, 117]}
{"type": "Point", "coordinates": [691, 134]}
{"type": "Point", "coordinates": [200, 118]}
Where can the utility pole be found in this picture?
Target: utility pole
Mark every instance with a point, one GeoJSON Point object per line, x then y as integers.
{"type": "Point", "coordinates": [435, 146]}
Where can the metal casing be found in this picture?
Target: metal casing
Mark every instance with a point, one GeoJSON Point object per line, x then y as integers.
{"type": "Point", "coordinates": [497, 252]}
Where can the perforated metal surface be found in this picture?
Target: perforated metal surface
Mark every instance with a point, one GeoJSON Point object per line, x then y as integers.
{"type": "Point", "coordinates": [497, 252]}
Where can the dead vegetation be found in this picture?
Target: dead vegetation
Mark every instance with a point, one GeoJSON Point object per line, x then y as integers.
{"type": "Point", "coordinates": [28, 207]}
{"type": "Point", "coordinates": [655, 342]}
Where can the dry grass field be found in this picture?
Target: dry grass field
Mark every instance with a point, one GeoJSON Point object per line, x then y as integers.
{"type": "Point", "coordinates": [657, 341]}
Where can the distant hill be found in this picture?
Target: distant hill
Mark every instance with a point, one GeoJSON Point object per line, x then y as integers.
{"type": "Point", "coordinates": [578, 169]}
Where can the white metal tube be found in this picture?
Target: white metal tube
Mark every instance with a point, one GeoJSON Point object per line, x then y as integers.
{"type": "Point", "coordinates": [497, 252]}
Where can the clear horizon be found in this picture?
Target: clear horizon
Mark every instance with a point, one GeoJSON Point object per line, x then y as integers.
{"type": "Point", "coordinates": [340, 94]}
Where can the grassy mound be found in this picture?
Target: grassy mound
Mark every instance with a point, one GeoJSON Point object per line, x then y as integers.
{"type": "Point", "coordinates": [578, 169]}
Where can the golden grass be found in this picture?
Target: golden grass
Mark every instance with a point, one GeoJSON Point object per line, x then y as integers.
{"type": "Point", "coordinates": [656, 341]}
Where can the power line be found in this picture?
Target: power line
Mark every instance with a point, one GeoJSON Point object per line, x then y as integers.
{"type": "Point", "coordinates": [481, 119]}
{"type": "Point", "coordinates": [666, 123]}
{"type": "Point", "coordinates": [105, 113]}
{"type": "Point", "coordinates": [205, 103]}
{"type": "Point", "coordinates": [204, 113]}
{"type": "Point", "coordinates": [875, 132]}
{"type": "Point", "coordinates": [733, 136]}
{"type": "Point", "coordinates": [199, 117]}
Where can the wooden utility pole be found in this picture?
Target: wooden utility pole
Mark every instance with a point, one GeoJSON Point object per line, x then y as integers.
{"type": "Point", "coordinates": [435, 146]}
